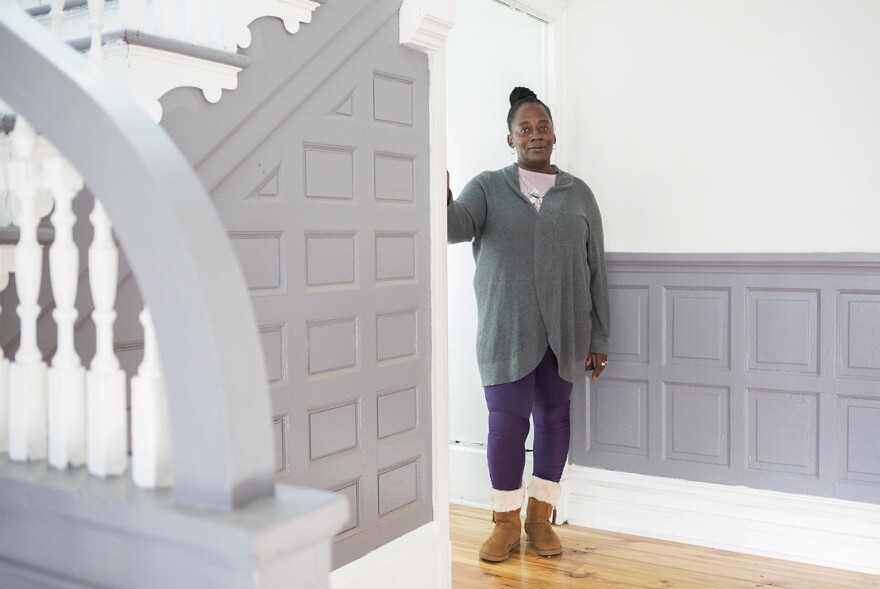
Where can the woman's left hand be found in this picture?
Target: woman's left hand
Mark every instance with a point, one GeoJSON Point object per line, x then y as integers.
{"type": "Point", "coordinates": [598, 362]}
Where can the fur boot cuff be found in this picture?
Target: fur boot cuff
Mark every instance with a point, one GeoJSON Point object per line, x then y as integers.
{"type": "Point", "coordinates": [503, 501]}
{"type": "Point", "coordinates": [546, 491]}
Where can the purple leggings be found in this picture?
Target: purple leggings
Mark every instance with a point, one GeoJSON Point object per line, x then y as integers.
{"type": "Point", "coordinates": [544, 395]}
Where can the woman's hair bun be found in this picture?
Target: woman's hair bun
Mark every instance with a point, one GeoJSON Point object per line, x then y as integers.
{"type": "Point", "coordinates": [520, 93]}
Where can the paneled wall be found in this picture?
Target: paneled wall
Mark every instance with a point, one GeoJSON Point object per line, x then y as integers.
{"type": "Point", "coordinates": [318, 166]}
{"type": "Point", "coordinates": [756, 370]}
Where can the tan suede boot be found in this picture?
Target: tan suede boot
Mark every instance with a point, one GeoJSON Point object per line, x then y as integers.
{"type": "Point", "coordinates": [543, 496]}
{"type": "Point", "coordinates": [541, 535]}
{"type": "Point", "coordinates": [506, 506]}
{"type": "Point", "coordinates": [504, 538]}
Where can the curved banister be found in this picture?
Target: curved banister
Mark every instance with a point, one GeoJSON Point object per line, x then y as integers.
{"type": "Point", "coordinates": [179, 252]}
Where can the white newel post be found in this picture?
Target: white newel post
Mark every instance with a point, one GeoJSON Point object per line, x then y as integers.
{"type": "Point", "coordinates": [151, 460]}
{"type": "Point", "coordinates": [66, 378]}
{"type": "Point", "coordinates": [27, 378]}
{"type": "Point", "coordinates": [106, 417]}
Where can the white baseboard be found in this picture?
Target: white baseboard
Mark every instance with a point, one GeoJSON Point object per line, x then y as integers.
{"type": "Point", "coordinates": [469, 475]}
{"type": "Point", "coordinates": [802, 528]}
{"type": "Point", "coordinates": [413, 556]}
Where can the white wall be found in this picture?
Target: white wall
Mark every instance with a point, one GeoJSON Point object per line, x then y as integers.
{"type": "Point", "coordinates": [728, 126]}
{"type": "Point", "coordinates": [491, 49]}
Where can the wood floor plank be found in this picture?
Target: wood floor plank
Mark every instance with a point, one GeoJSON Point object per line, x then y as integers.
{"type": "Point", "coordinates": [607, 560]}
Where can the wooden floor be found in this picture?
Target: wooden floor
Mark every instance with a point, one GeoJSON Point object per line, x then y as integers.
{"type": "Point", "coordinates": [598, 559]}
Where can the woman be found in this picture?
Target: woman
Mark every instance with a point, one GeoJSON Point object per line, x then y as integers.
{"type": "Point", "coordinates": [542, 303]}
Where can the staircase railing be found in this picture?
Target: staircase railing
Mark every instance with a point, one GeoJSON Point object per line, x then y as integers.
{"type": "Point", "coordinates": [218, 24]}
{"type": "Point", "coordinates": [200, 401]}
{"type": "Point", "coordinates": [184, 265]}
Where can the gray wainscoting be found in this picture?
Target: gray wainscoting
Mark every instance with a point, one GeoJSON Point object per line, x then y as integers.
{"type": "Point", "coordinates": [744, 369]}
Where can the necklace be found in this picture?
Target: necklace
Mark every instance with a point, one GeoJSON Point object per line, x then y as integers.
{"type": "Point", "coordinates": [535, 196]}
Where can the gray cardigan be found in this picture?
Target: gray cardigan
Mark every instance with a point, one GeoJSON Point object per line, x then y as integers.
{"type": "Point", "coordinates": [540, 277]}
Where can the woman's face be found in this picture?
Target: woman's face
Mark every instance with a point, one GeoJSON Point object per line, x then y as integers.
{"type": "Point", "coordinates": [532, 136]}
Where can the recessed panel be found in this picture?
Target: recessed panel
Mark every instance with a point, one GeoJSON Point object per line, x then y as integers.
{"type": "Point", "coordinates": [395, 335]}
{"type": "Point", "coordinates": [394, 177]}
{"type": "Point", "coordinates": [398, 487]}
{"type": "Point", "coordinates": [395, 257]}
{"type": "Point", "coordinates": [619, 420]}
{"type": "Point", "coordinates": [346, 107]}
{"type": "Point", "coordinates": [629, 324]}
{"type": "Point", "coordinates": [333, 430]}
{"type": "Point", "coordinates": [859, 326]}
{"type": "Point", "coordinates": [783, 331]}
{"type": "Point", "coordinates": [351, 494]}
{"type": "Point", "coordinates": [859, 432]}
{"type": "Point", "coordinates": [392, 99]}
{"type": "Point", "coordinates": [697, 327]}
{"type": "Point", "coordinates": [278, 432]}
{"type": "Point", "coordinates": [274, 340]}
{"type": "Point", "coordinates": [783, 431]}
{"type": "Point", "coordinates": [697, 423]}
{"type": "Point", "coordinates": [261, 255]}
{"type": "Point", "coordinates": [396, 412]}
{"type": "Point", "coordinates": [330, 259]}
{"type": "Point", "coordinates": [329, 172]}
{"type": "Point", "coordinates": [332, 345]}
{"type": "Point", "coordinates": [268, 186]}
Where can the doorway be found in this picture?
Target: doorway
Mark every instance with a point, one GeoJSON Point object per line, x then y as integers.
{"type": "Point", "coordinates": [492, 48]}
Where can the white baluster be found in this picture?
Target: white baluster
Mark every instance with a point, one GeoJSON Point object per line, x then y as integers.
{"type": "Point", "coordinates": [106, 417]}
{"type": "Point", "coordinates": [134, 14]}
{"type": "Point", "coordinates": [4, 281]}
{"type": "Point", "coordinates": [4, 379]}
{"type": "Point", "coordinates": [5, 269]}
{"type": "Point", "coordinates": [66, 378]}
{"type": "Point", "coordinates": [27, 382]}
{"type": "Point", "coordinates": [57, 16]}
{"type": "Point", "coordinates": [165, 14]}
{"type": "Point", "coordinates": [213, 15]}
{"type": "Point", "coordinates": [5, 197]}
{"type": "Point", "coordinates": [151, 461]}
{"type": "Point", "coordinates": [96, 23]}
{"type": "Point", "coordinates": [202, 20]}
{"type": "Point", "coordinates": [189, 30]}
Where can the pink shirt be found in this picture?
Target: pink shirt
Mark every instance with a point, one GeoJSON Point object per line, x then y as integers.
{"type": "Point", "coordinates": [535, 185]}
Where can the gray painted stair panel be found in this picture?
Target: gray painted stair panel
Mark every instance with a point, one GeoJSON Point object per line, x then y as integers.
{"type": "Point", "coordinates": [318, 166]}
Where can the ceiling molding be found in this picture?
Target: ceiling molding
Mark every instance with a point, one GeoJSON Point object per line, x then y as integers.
{"type": "Point", "coordinates": [425, 24]}
{"type": "Point", "coordinates": [545, 10]}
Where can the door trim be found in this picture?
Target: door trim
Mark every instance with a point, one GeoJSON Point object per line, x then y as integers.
{"type": "Point", "coordinates": [424, 26]}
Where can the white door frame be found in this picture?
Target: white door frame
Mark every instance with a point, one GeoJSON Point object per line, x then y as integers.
{"type": "Point", "coordinates": [425, 25]}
